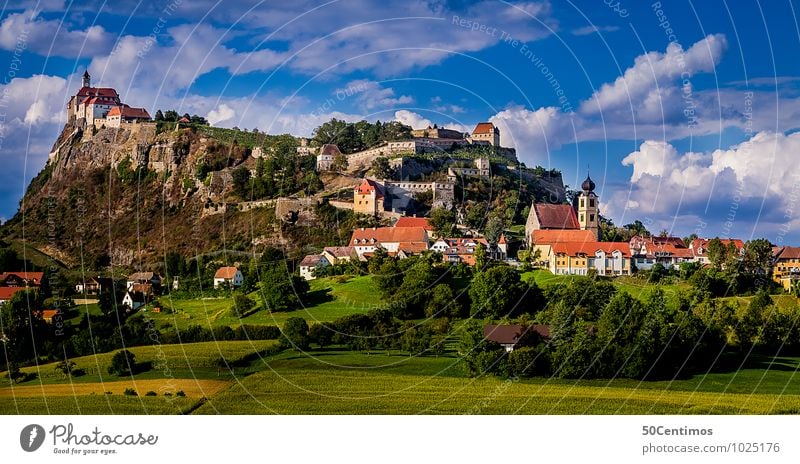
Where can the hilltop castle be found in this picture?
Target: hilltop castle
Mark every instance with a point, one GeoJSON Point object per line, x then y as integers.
{"type": "Point", "coordinates": [101, 107]}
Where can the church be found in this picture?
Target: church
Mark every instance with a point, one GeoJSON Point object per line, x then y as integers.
{"type": "Point", "coordinates": [584, 215]}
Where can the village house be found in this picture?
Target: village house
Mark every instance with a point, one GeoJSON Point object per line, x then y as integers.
{"type": "Point", "coordinates": [6, 293]}
{"type": "Point", "coordinates": [135, 299]}
{"type": "Point", "coordinates": [786, 266]}
{"type": "Point", "coordinates": [667, 251]}
{"type": "Point", "coordinates": [228, 277]}
{"type": "Point", "coordinates": [409, 240]}
{"type": "Point", "coordinates": [482, 169]}
{"type": "Point", "coordinates": [584, 216]}
{"type": "Point", "coordinates": [310, 264]}
{"type": "Point", "coordinates": [22, 279]}
{"type": "Point", "coordinates": [140, 278]}
{"type": "Point", "coordinates": [339, 255]}
{"type": "Point", "coordinates": [510, 335]}
{"type": "Point", "coordinates": [94, 285]}
{"type": "Point", "coordinates": [542, 241]}
{"type": "Point", "coordinates": [699, 248]}
{"type": "Point", "coordinates": [326, 157]}
{"type": "Point", "coordinates": [578, 258]}
{"type": "Point", "coordinates": [49, 314]}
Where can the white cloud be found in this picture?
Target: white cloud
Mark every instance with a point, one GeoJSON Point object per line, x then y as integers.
{"type": "Point", "coordinates": [370, 95]}
{"type": "Point", "coordinates": [534, 133]}
{"type": "Point", "coordinates": [221, 114]}
{"type": "Point", "coordinates": [409, 118]}
{"type": "Point", "coordinates": [50, 37]}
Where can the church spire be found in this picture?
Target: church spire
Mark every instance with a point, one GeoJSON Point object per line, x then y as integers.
{"type": "Point", "coordinates": [87, 79]}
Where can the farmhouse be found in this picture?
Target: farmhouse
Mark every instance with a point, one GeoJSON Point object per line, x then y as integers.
{"type": "Point", "coordinates": [411, 240]}
{"type": "Point", "coordinates": [144, 278]}
{"type": "Point", "coordinates": [134, 300]}
{"type": "Point", "coordinates": [94, 285]}
{"type": "Point", "coordinates": [339, 255]}
{"type": "Point", "coordinates": [786, 266]}
{"type": "Point", "coordinates": [509, 336]}
{"type": "Point", "coordinates": [667, 251]}
{"type": "Point", "coordinates": [21, 279]}
{"type": "Point", "coordinates": [699, 248]}
{"type": "Point", "coordinates": [228, 276]}
{"type": "Point", "coordinates": [6, 293]}
{"type": "Point", "coordinates": [310, 264]}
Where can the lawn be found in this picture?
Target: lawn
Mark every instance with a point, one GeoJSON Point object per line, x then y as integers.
{"type": "Point", "coordinates": [327, 300]}
{"type": "Point", "coordinates": [347, 383]}
{"type": "Point", "coordinates": [634, 286]}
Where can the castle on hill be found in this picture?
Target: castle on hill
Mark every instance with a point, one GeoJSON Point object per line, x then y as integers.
{"type": "Point", "coordinates": [102, 107]}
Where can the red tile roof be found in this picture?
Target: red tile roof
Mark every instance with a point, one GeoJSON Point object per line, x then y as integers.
{"type": "Point", "coordinates": [702, 244]}
{"type": "Point", "coordinates": [340, 252]}
{"type": "Point", "coordinates": [562, 235]}
{"type": "Point", "coordinates": [34, 277]}
{"type": "Point", "coordinates": [378, 235]}
{"type": "Point", "coordinates": [311, 260]}
{"type": "Point", "coordinates": [556, 216]}
{"type": "Point", "coordinates": [413, 222]}
{"type": "Point", "coordinates": [367, 186]}
{"type": "Point", "coordinates": [7, 292]}
{"type": "Point", "coordinates": [589, 248]}
{"type": "Point", "coordinates": [484, 128]}
{"type": "Point", "coordinates": [227, 272]}
{"type": "Point", "coordinates": [127, 112]}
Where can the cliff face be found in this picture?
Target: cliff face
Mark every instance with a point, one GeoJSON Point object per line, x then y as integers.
{"type": "Point", "coordinates": [130, 196]}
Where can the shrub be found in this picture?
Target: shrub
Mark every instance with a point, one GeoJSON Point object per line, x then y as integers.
{"type": "Point", "coordinates": [151, 393]}
{"type": "Point", "coordinates": [181, 394]}
{"type": "Point", "coordinates": [130, 392]}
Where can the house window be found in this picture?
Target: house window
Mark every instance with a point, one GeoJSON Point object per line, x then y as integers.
{"type": "Point", "coordinates": [591, 218]}
{"type": "Point", "coordinates": [582, 202]}
{"type": "Point", "coordinates": [581, 217]}
{"type": "Point", "coordinates": [591, 202]}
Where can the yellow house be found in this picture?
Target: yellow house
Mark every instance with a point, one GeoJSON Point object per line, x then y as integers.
{"type": "Point", "coordinates": [578, 258]}
{"type": "Point", "coordinates": [786, 266]}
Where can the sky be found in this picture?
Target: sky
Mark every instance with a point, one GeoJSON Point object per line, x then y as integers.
{"type": "Point", "coordinates": [686, 113]}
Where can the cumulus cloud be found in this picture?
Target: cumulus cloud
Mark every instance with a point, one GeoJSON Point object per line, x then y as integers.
{"type": "Point", "coordinates": [370, 95]}
{"type": "Point", "coordinates": [27, 30]}
{"type": "Point", "coordinates": [716, 187]}
{"type": "Point", "coordinates": [222, 113]}
{"type": "Point", "coordinates": [409, 118]}
{"type": "Point", "coordinates": [534, 133]}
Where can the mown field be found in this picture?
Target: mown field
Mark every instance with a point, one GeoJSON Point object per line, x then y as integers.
{"type": "Point", "coordinates": [345, 383]}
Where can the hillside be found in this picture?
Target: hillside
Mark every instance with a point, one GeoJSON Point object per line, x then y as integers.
{"type": "Point", "coordinates": [131, 195]}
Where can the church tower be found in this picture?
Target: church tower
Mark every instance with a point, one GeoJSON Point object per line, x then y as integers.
{"type": "Point", "coordinates": [588, 216]}
{"type": "Point", "coordinates": [87, 79]}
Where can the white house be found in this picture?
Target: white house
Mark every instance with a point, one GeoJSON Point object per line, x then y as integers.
{"type": "Point", "coordinates": [228, 276]}
{"type": "Point", "coordinates": [310, 264]}
{"type": "Point", "coordinates": [134, 300]}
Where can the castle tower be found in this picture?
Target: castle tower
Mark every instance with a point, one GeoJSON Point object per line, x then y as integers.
{"type": "Point", "coordinates": [588, 215]}
{"type": "Point", "coordinates": [87, 79]}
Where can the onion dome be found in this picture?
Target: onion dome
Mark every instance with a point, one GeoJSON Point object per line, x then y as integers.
{"type": "Point", "coordinates": [588, 184]}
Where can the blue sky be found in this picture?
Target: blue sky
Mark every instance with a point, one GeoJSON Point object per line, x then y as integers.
{"type": "Point", "coordinates": [687, 112]}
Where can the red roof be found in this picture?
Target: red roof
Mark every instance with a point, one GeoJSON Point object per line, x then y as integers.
{"type": "Point", "coordinates": [340, 252]}
{"type": "Point", "coordinates": [227, 272]}
{"type": "Point", "coordinates": [378, 235]}
{"type": "Point", "coordinates": [556, 216]}
{"type": "Point", "coordinates": [509, 334]}
{"type": "Point", "coordinates": [700, 245]}
{"type": "Point", "coordinates": [97, 91]}
{"type": "Point", "coordinates": [7, 292]}
{"type": "Point", "coordinates": [184, 120]}
{"type": "Point", "coordinates": [560, 235]}
{"type": "Point", "coordinates": [413, 222]}
{"type": "Point", "coordinates": [589, 248]}
{"type": "Point", "coordinates": [368, 186]}
{"type": "Point", "coordinates": [35, 277]}
{"type": "Point", "coordinates": [127, 112]}
{"type": "Point", "coordinates": [484, 128]}
{"type": "Point", "coordinates": [311, 260]}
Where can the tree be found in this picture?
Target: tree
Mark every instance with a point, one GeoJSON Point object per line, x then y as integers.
{"type": "Point", "coordinates": [122, 363]}
{"type": "Point", "coordinates": [23, 329]}
{"type": "Point", "coordinates": [295, 334]}
{"type": "Point", "coordinates": [381, 168]}
{"type": "Point", "coordinates": [66, 367]}
{"type": "Point", "coordinates": [442, 302]}
{"type": "Point", "coordinates": [339, 162]}
{"type": "Point", "coordinates": [494, 228]}
{"type": "Point", "coordinates": [716, 252]}
{"type": "Point", "coordinates": [159, 115]}
{"type": "Point", "coordinates": [171, 115]}
{"type": "Point", "coordinates": [240, 177]}
{"type": "Point", "coordinates": [750, 327]}
{"type": "Point", "coordinates": [443, 221]}
{"type": "Point", "coordinates": [242, 305]}
{"type": "Point", "coordinates": [281, 291]}
{"type": "Point", "coordinates": [480, 256]}
{"type": "Point", "coordinates": [496, 292]}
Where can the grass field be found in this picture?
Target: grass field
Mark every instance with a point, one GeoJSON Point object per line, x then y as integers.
{"type": "Point", "coordinates": [327, 300]}
{"type": "Point", "coordinates": [634, 286]}
{"type": "Point", "coordinates": [346, 383]}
